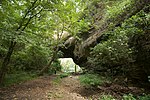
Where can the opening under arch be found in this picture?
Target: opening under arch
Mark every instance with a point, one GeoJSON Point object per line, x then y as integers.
{"type": "Point", "coordinates": [69, 66]}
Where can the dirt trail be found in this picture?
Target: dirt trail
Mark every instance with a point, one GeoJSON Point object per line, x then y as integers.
{"type": "Point", "coordinates": [44, 88]}
{"type": "Point", "coordinates": [68, 88]}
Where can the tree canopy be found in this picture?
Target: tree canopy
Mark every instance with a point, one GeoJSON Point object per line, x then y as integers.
{"type": "Point", "coordinates": [26, 24]}
{"type": "Point", "coordinates": [107, 35]}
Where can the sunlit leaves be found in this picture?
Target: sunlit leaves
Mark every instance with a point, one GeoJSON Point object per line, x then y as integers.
{"type": "Point", "coordinates": [118, 7]}
{"type": "Point", "coordinates": [36, 21]}
{"type": "Point", "coordinates": [118, 50]}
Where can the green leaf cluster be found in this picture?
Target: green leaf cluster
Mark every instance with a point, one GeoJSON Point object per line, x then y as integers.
{"type": "Point", "coordinates": [116, 53]}
{"type": "Point", "coordinates": [91, 80]}
{"type": "Point", "coordinates": [32, 25]}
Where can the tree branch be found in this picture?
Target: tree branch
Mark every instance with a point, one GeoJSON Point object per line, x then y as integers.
{"type": "Point", "coordinates": [28, 11]}
{"type": "Point", "coordinates": [30, 19]}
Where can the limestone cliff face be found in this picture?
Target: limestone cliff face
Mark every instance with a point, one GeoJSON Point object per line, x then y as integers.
{"type": "Point", "coordinates": [80, 50]}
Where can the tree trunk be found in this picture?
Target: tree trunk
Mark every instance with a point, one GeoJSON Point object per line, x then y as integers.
{"type": "Point", "coordinates": [75, 69]}
{"type": "Point", "coordinates": [4, 67]}
{"type": "Point", "coordinates": [46, 67]}
{"type": "Point", "coordinates": [49, 64]}
{"type": "Point", "coordinates": [5, 63]}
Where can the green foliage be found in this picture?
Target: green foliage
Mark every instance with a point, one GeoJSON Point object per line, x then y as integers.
{"type": "Point", "coordinates": [132, 97]}
{"type": "Point", "coordinates": [32, 26]}
{"type": "Point", "coordinates": [69, 66]}
{"type": "Point", "coordinates": [106, 97]}
{"type": "Point", "coordinates": [118, 7]}
{"type": "Point", "coordinates": [91, 80]}
{"type": "Point", "coordinates": [32, 58]}
{"type": "Point", "coordinates": [146, 97]}
{"type": "Point", "coordinates": [116, 52]}
{"type": "Point", "coordinates": [57, 80]}
{"type": "Point", "coordinates": [112, 53]}
{"type": "Point", "coordinates": [129, 97]}
{"type": "Point", "coordinates": [63, 75]}
{"type": "Point", "coordinates": [124, 97]}
{"type": "Point", "coordinates": [55, 66]}
{"type": "Point", "coordinates": [108, 13]}
{"type": "Point", "coordinates": [18, 77]}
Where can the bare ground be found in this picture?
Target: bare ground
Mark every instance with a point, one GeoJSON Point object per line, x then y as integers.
{"type": "Point", "coordinates": [43, 88]}
{"type": "Point", "coordinates": [69, 88]}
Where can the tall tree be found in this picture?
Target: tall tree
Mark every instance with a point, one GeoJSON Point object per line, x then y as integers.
{"type": "Point", "coordinates": [66, 19]}
{"type": "Point", "coordinates": [22, 20]}
{"type": "Point", "coordinates": [16, 16]}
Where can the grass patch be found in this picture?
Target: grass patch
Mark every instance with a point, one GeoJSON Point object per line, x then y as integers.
{"type": "Point", "coordinates": [132, 97]}
{"type": "Point", "coordinates": [145, 97]}
{"type": "Point", "coordinates": [52, 95]}
{"type": "Point", "coordinates": [125, 97]}
{"type": "Point", "coordinates": [63, 75]}
{"type": "Point", "coordinates": [91, 80]}
{"type": "Point", "coordinates": [17, 77]}
{"type": "Point", "coordinates": [129, 97]}
{"type": "Point", "coordinates": [57, 80]}
{"type": "Point", "coordinates": [107, 97]}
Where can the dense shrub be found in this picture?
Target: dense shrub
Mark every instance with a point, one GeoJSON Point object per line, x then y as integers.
{"type": "Point", "coordinates": [106, 97]}
{"type": "Point", "coordinates": [91, 80]}
{"type": "Point", "coordinates": [55, 67]}
{"type": "Point", "coordinates": [17, 77]}
{"type": "Point", "coordinates": [129, 97]}
{"type": "Point", "coordinates": [146, 97]}
{"type": "Point", "coordinates": [32, 58]}
{"type": "Point", "coordinates": [112, 53]}
{"type": "Point", "coordinates": [117, 53]}
{"type": "Point", "coordinates": [124, 97]}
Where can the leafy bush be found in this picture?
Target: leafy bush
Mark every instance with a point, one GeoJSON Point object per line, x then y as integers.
{"type": "Point", "coordinates": [116, 54]}
{"type": "Point", "coordinates": [91, 80]}
{"type": "Point", "coordinates": [132, 97]}
{"type": "Point", "coordinates": [112, 53]}
{"type": "Point", "coordinates": [32, 58]}
{"type": "Point", "coordinates": [106, 97]}
{"type": "Point", "coordinates": [118, 8]}
{"type": "Point", "coordinates": [146, 97]}
{"type": "Point", "coordinates": [18, 77]}
{"type": "Point", "coordinates": [125, 97]}
{"type": "Point", "coordinates": [62, 75]}
{"type": "Point", "coordinates": [55, 67]}
{"type": "Point", "coordinates": [129, 97]}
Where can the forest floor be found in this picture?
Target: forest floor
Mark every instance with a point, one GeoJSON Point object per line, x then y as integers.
{"type": "Point", "coordinates": [56, 88]}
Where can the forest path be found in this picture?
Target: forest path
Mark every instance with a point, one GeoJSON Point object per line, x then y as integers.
{"type": "Point", "coordinates": [44, 88]}
{"type": "Point", "coordinates": [69, 88]}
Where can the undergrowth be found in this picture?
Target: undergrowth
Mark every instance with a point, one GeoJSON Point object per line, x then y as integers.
{"type": "Point", "coordinates": [17, 77]}
{"type": "Point", "coordinates": [91, 80]}
{"type": "Point", "coordinates": [106, 97]}
{"type": "Point", "coordinates": [57, 80]}
{"type": "Point", "coordinates": [125, 97]}
{"type": "Point", "coordinates": [63, 75]}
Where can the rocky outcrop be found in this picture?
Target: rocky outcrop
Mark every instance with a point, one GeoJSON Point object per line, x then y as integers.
{"type": "Point", "coordinates": [80, 50]}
